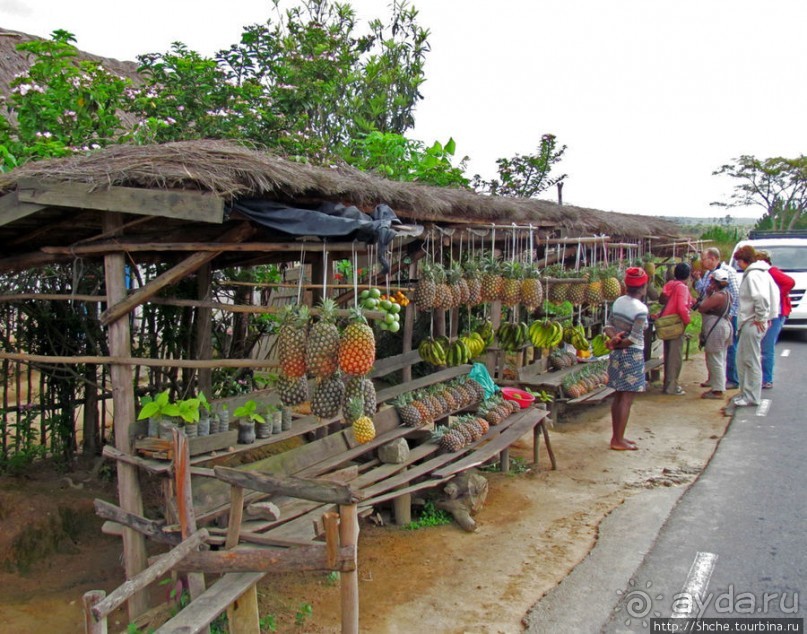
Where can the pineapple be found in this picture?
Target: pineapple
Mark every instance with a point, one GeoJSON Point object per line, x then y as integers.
{"type": "Point", "coordinates": [469, 423]}
{"type": "Point", "coordinates": [474, 282]}
{"type": "Point", "coordinates": [291, 341]}
{"type": "Point", "coordinates": [444, 300]}
{"type": "Point", "coordinates": [407, 412]}
{"type": "Point", "coordinates": [426, 289]}
{"type": "Point", "coordinates": [328, 396]}
{"type": "Point", "coordinates": [292, 391]}
{"type": "Point", "coordinates": [453, 277]}
{"type": "Point", "coordinates": [594, 294]}
{"type": "Point", "coordinates": [361, 386]}
{"type": "Point", "coordinates": [363, 428]}
{"type": "Point", "coordinates": [323, 342]}
{"type": "Point", "coordinates": [449, 439]}
{"type": "Point", "coordinates": [357, 346]}
{"type": "Point", "coordinates": [532, 293]}
{"type": "Point", "coordinates": [611, 288]}
{"type": "Point", "coordinates": [483, 424]}
{"type": "Point", "coordinates": [492, 281]}
{"type": "Point", "coordinates": [576, 293]}
{"type": "Point", "coordinates": [511, 288]}
{"type": "Point", "coordinates": [558, 292]}
{"type": "Point", "coordinates": [353, 409]}
{"type": "Point", "coordinates": [649, 264]}
{"type": "Point", "coordinates": [426, 416]}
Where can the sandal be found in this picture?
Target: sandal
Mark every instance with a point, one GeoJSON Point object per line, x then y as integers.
{"type": "Point", "coordinates": [679, 391]}
{"type": "Point", "coordinates": [713, 395]}
{"type": "Point", "coordinates": [706, 384]}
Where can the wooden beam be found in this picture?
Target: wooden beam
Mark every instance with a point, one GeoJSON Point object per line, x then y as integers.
{"type": "Point", "coordinates": [301, 558]}
{"type": "Point", "coordinates": [293, 248]}
{"type": "Point", "coordinates": [181, 204]}
{"type": "Point", "coordinates": [132, 361]}
{"type": "Point", "coordinates": [147, 527]}
{"type": "Point", "coordinates": [313, 490]}
{"type": "Point", "coordinates": [12, 209]}
{"type": "Point", "coordinates": [184, 268]}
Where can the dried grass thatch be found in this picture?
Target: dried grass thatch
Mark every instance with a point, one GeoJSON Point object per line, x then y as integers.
{"type": "Point", "coordinates": [233, 171]}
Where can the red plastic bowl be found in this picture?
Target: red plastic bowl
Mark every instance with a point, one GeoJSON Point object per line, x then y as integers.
{"type": "Point", "coordinates": [524, 399]}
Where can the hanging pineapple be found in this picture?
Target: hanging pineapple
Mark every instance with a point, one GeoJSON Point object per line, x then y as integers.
{"type": "Point", "coordinates": [363, 428]}
{"type": "Point", "coordinates": [649, 264]}
{"type": "Point", "coordinates": [291, 341]}
{"type": "Point", "coordinates": [532, 293]}
{"type": "Point", "coordinates": [292, 391]}
{"type": "Point", "coordinates": [492, 280]}
{"type": "Point", "coordinates": [443, 299]}
{"type": "Point", "coordinates": [511, 288]}
{"type": "Point", "coordinates": [323, 342]}
{"type": "Point", "coordinates": [357, 346]}
{"type": "Point", "coordinates": [576, 292]}
{"type": "Point", "coordinates": [426, 289]}
{"type": "Point", "coordinates": [611, 288]}
{"type": "Point", "coordinates": [362, 387]}
{"type": "Point", "coordinates": [453, 278]}
{"type": "Point", "coordinates": [328, 396]}
{"type": "Point", "coordinates": [594, 295]}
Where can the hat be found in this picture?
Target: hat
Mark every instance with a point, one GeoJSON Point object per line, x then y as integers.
{"type": "Point", "coordinates": [635, 276]}
{"type": "Point", "coordinates": [721, 276]}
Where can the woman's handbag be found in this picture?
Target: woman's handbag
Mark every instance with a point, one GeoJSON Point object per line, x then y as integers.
{"type": "Point", "coordinates": [669, 327]}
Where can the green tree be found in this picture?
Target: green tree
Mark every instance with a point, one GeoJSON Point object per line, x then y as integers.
{"type": "Point", "coordinates": [778, 185]}
{"type": "Point", "coordinates": [398, 158]}
{"type": "Point", "coordinates": [525, 176]}
{"type": "Point", "coordinates": [61, 105]}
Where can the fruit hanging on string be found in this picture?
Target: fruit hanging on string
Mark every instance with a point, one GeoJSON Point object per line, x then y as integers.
{"type": "Point", "coordinates": [357, 346]}
{"type": "Point", "coordinates": [426, 288]}
{"type": "Point", "coordinates": [363, 428]}
{"type": "Point", "coordinates": [323, 342]}
{"type": "Point", "coordinates": [292, 340]}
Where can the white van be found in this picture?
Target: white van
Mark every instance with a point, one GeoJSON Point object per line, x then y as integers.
{"type": "Point", "coordinates": [789, 253]}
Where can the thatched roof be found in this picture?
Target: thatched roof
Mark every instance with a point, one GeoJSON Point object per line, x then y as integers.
{"type": "Point", "coordinates": [233, 171]}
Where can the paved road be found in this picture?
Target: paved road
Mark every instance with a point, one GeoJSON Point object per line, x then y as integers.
{"type": "Point", "coordinates": [736, 534]}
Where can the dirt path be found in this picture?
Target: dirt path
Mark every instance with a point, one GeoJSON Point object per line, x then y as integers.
{"type": "Point", "coordinates": [533, 530]}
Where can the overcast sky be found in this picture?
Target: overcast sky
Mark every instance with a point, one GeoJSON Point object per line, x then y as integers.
{"type": "Point", "coordinates": [650, 96]}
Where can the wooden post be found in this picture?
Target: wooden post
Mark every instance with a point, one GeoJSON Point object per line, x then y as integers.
{"type": "Point", "coordinates": [243, 615]}
{"type": "Point", "coordinates": [409, 326]}
{"type": "Point", "coordinates": [331, 522]}
{"type": "Point", "coordinates": [91, 626]}
{"type": "Point", "coordinates": [187, 518]}
{"type": "Point", "coordinates": [121, 377]}
{"type": "Point", "coordinates": [349, 536]}
{"type": "Point", "coordinates": [504, 459]}
{"type": "Point", "coordinates": [402, 507]}
{"type": "Point", "coordinates": [204, 322]}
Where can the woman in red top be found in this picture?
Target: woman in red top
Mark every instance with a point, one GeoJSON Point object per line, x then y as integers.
{"type": "Point", "coordinates": [678, 300]}
{"type": "Point", "coordinates": [785, 284]}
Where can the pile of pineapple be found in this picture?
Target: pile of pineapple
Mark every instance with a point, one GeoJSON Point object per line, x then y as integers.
{"type": "Point", "coordinates": [586, 379]}
{"type": "Point", "coordinates": [339, 362]}
{"type": "Point", "coordinates": [470, 428]}
{"type": "Point", "coordinates": [601, 284]}
{"type": "Point", "coordinates": [424, 407]}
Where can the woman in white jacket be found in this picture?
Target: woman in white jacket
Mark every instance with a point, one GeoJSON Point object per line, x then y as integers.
{"type": "Point", "coordinates": [759, 303]}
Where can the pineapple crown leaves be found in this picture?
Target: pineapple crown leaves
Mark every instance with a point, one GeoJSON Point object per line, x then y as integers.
{"type": "Point", "coordinates": [427, 270]}
{"type": "Point", "coordinates": [454, 273]}
{"type": "Point", "coordinates": [327, 310]}
{"type": "Point", "coordinates": [356, 315]}
{"type": "Point", "coordinates": [471, 267]}
{"type": "Point", "coordinates": [355, 407]}
{"type": "Point", "coordinates": [512, 270]}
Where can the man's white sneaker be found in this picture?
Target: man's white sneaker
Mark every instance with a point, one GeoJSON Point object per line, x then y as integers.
{"type": "Point", "coordinates": [742, 402]}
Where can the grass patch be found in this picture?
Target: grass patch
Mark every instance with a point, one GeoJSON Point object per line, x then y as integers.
{"type": "Point", "coordinates": [518, 466]}
{"type": "Point", "coordinates": [430, 516]}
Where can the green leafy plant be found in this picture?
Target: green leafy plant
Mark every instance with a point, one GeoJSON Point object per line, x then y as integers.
{"type": "Point", "coordinates": [160, 405]}
{"type": "Point", "coordinates": [268, 623]}
{"type": "Point", "coordinates": [189, 410]}
{"type": "Point", "coordinates": [430, 516]}
{"type": "Point", "coordinates": [518, 466]}
{"type": "Point", "coordinates": [304, 612]}
{"type": "Point", "coordinates": [203, 402]}
{"type": "Point", "coordinates": [249, 410]}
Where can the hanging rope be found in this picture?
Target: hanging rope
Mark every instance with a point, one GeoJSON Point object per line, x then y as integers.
{"type": "Point", "coordinates": [324, 269]}
{"type": "Point", "coordinates": [355, 276]}
{"type": "Point", "coordinates": [301, 275]}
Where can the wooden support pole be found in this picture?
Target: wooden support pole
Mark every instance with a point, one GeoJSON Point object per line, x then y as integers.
{"type": "Point", "coordinates": [548, 445]}
{"type": "Point", "coordinates": [242, 614]}
{"type": "Point", "coordinates": [312, 490]}
{"type": "Point", "coordinates": [187, 518]}
{"type": "Point", "coordinates": [409, 325]}
{"type": "Point", "coordinates": [331, 522]}
{"type": "Point", "coordinates": [402, 507]}
{"type": "Point", "coordinates": [349, 581]}
{"type": "Point", "coordinates": [122, 378]}
{"type": "Point", "coordinates": [147, 527]}
{"type": "Point", "coordinates": [204, 325]}
{"type": "Point", "coordinates": [91, 625]}
{"type": "Point", "coordinates": [504, 459]}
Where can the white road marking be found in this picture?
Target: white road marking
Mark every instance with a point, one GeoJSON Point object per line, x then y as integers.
{"type": "Point", "coordinates": [785, 352]}
{"type": "Point", "coordinates": [695, 585]}
{"type": "Point", "coordinates": [763, 407]}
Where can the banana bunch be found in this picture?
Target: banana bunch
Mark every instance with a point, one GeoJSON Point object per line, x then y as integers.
{"type": "Point", "coordinates": [475, 342]}
{"type": "Point", "coordinates": [458, 353]}
{"type": "Point", "coordinates": [485, 330]}
{"type": "Point", "coordinates": [576, 335]}
{"type": "Point", "coordinates": [432, 351]}
{"type": "Point", "coordinates": [546, 334]}
{"type": "Point", "coordinates": [598, 347]}
{"type": "Point", "coordinates": [512, 337]}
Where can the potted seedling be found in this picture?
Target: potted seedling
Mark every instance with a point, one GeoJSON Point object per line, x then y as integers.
{"type": "Point", "coordinates": [247, 416]}
{"type": "Point", "coordinates": [224, 417]}
{"type": "Point", "coordinates": [160, 412]}
{"type": "Point", "coordinates": [189, 413]}
{"type": "Point", "coordinates": [204, 414]}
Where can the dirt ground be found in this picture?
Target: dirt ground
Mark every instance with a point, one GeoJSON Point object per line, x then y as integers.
{"type": "Point", "coordinates": [535, 527]}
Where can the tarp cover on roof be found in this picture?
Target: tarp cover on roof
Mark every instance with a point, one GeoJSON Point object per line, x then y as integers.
{"type": "Point", "coordinates": [328, 221]}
